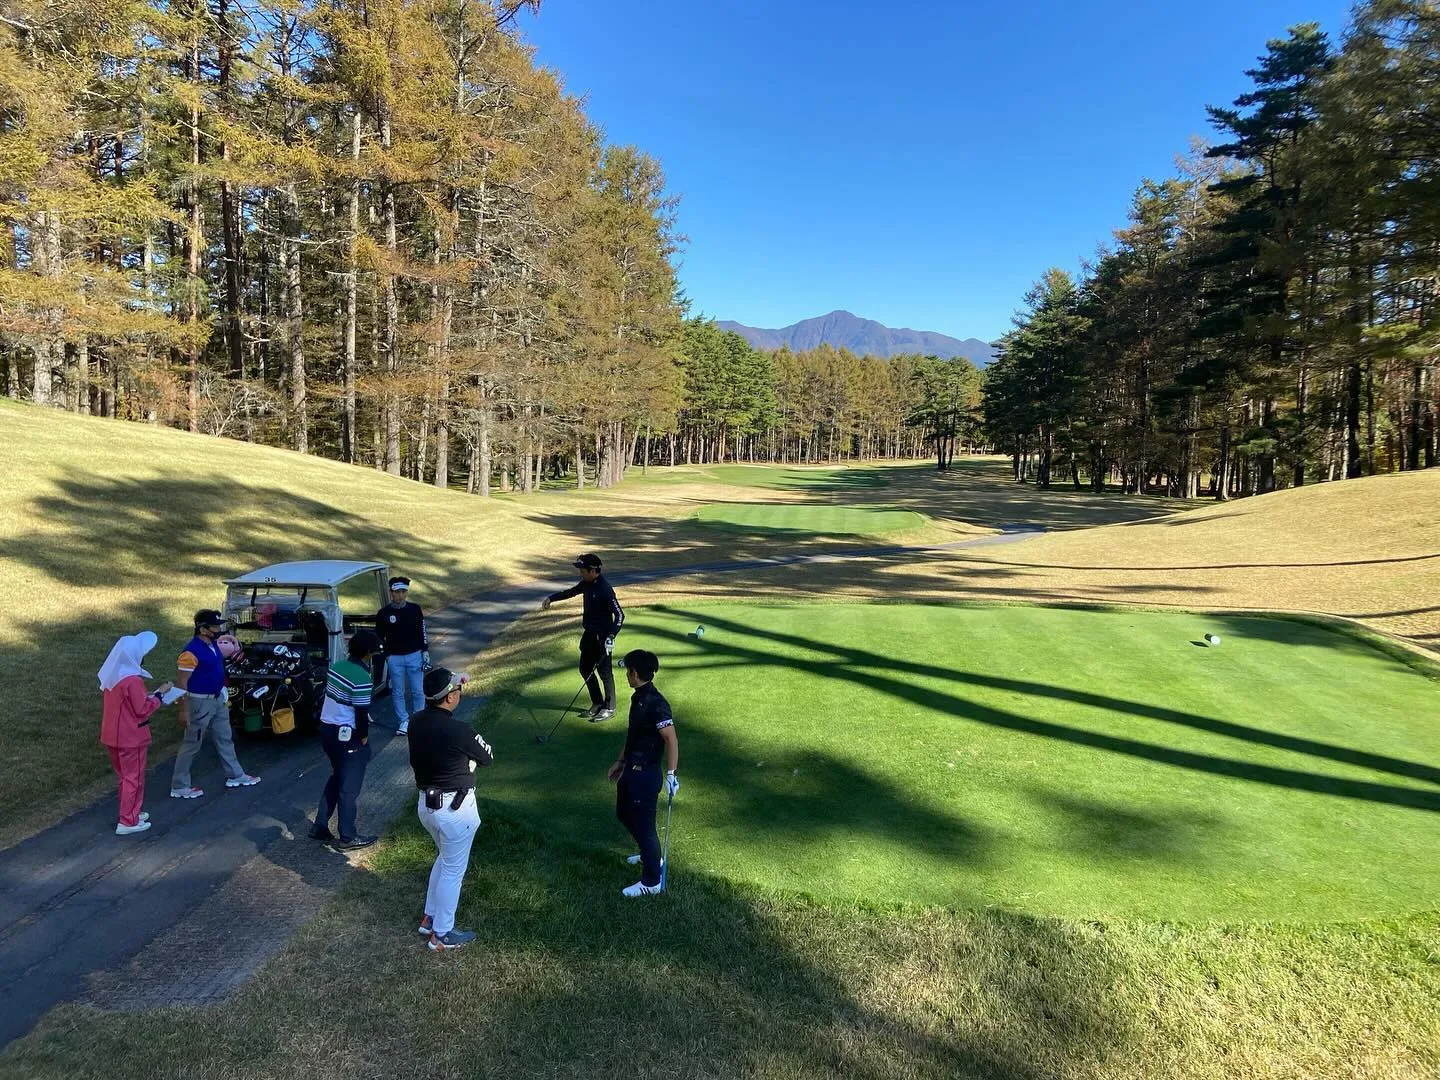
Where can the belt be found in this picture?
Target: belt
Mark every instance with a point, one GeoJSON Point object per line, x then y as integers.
{"type": "Point", "coordinates": [194, 695]}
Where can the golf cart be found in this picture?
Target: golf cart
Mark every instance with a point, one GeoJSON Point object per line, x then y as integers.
{"type": "Point", "coordinates": [292, 621]}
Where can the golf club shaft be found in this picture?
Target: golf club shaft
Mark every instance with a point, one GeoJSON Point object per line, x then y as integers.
{"type": "Point", "coordinates": [665, 846]}
{"type": "Point", "coordinates": [567, 708]}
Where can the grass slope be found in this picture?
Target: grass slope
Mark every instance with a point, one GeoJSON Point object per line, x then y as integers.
{"type": "Point", "coordinates": [719, 981]}
{"type": "Point", "coordinates": [1050, 761]}
{"type": "Point", "coordinates": [804, 519]}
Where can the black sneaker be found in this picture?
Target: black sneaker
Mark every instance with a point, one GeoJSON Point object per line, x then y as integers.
{"type": "Point", "coordinates": [600, 714]}
{"type": "Point", "coordinates": [589, 714]}
{"type": "Point", "coordinates": [355, 843]}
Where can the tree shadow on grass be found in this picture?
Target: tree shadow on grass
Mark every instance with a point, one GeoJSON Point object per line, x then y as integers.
{"type": "Point", "coordinates": [102, 528]}
{"type": "Point", "coordinates": [873, 671]}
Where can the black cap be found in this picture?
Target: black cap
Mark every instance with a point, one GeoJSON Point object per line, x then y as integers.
{"type": "Point", "coordinates": [208, 617]}
{"type": "Point", "coordinates": [438, 682]}
{"type": "Point", "coordinates": [588, 561]}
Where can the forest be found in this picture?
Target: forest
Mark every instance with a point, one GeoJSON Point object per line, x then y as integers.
{"type": "Point", "coordinates": [1267, 318]}
{"type": "Point", "coordinates": [374, 230]}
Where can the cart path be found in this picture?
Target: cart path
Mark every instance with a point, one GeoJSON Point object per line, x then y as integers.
{"type": "Point", "coordinates": [184, 913]}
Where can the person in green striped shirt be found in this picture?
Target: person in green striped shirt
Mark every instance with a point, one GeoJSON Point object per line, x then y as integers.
{"type": "Point", "coordinates": [345, 735]}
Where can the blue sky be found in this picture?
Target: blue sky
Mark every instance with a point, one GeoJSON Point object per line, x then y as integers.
{"type": "Point", "coordinates": [916, 163]}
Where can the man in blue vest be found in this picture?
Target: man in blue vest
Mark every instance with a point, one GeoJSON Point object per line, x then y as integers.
{"type": "Point", "coordinates": [205, 708]}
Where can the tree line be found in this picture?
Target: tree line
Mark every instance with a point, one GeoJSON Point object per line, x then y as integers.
{"type": "Point", "coordinates": [376, 230]}
{"type": "Point", "coordinates": [1267, 318]}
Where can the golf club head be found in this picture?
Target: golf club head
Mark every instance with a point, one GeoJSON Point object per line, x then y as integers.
{"type": "Point", "coordinates": [542, 738]}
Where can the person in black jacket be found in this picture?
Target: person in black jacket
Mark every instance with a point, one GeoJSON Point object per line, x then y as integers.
{"type": "Point", "coordinates": [636, 772]}
{"type": "Point", "coordinates": [401, 626]}
{"type": "Point", "coordinates": [444, 752]}
{"type": "Point", "coordinates": [600, 623]}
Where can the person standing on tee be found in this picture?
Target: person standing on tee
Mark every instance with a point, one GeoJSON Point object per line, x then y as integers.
{"type": "Point", "coordinates": [345, 735]}
{"type": "Point", "coordinates": [205, 707]}
{"type": "Point", "coordinates": [401, 626]}
{"type": "Point", "coordinates": [125, 724]}
{"type": "Point", "coordinates": [636, 772]}
{"type": "Point", "coordinates": [600, 621]}
{"type": "Point", "coordinates": [444, 751]}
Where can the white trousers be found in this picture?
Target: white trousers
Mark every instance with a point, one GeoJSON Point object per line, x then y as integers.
{"type": "Point", "coordinates": [453, 832]}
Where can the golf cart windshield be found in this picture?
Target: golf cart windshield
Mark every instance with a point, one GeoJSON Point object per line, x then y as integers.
{"type": "Point", "coordinates": [271, 607]}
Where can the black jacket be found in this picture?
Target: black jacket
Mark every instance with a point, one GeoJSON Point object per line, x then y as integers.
{"type": "Point", "coordinates": [603, 615]}
{"type": "Point", "coordinates": [441, 749]}
{"type": "Point", "coordinates": [402, 629]}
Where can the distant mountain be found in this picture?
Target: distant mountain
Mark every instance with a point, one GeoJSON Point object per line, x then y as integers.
{"type": "Point", "coordinates": [846, 331]}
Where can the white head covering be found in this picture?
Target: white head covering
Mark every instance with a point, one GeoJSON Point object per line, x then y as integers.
{"type": "Point", "coordinates": [124, 659]}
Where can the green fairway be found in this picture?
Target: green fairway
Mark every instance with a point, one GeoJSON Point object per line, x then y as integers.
{"type": "Point", "coordinates": [813, 479]}
{"type": "Point", "coordinates": [811, 519]}
{"type": "Point", "coordinates": [1051, 761]}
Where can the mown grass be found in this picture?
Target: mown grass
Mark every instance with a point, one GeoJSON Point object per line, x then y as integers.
{"type": "Point", "coordinates": [803, 519]}
{"type": "Point", "coordinates": [719, 980]}
{"type": "Point", "coordinates": [1053, 761]}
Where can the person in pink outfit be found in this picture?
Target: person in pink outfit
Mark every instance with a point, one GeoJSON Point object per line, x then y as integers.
{"type": "Point", "coordinates": [125, 724]}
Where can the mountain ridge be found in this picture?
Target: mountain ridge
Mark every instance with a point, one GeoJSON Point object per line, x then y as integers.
{"type": "Point", "coordinates": [845, 330]}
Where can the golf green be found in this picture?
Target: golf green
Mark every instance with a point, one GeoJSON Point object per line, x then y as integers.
{"type": "Point", "coordinates": [1048, 760]}
{"type": "Point", "coordinates": [817, 520]}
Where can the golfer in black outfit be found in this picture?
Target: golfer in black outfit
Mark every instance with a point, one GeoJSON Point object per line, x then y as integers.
{"type": "Point", "coordinates": [636, 772]}
{"type": "Point", "coordinates": [601, 622]}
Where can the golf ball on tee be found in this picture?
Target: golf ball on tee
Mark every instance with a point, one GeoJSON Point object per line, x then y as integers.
{"type": "Point", "coordinates": [699, 631]}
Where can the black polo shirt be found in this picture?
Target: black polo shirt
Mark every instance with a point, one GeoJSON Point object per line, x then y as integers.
{"type": "Point", "coordinates": [441, 749]}
{"type": "Point", "coordinates": [649, 715]}
{"type": "Point", "coordinates": [603, 615]}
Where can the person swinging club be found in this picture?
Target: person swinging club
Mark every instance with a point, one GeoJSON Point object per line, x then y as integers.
{"type": "Point", "coordinates": [601, 621]}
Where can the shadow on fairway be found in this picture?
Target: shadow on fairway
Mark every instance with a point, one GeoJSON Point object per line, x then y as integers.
{"type": "Point", "coordinates": [193, 522]}
{"type": "Point", "coordinates": [871, 669]}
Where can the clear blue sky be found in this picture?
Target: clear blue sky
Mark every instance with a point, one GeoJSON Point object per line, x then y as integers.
{"type": "Point", "coordinates": [919, 163]}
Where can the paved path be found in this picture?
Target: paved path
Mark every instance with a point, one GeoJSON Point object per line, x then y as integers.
{"type": "Point", "coordinates": [183, 913]}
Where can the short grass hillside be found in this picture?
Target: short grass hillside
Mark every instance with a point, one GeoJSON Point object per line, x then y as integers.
{"type": "Point", "coordinates": [108, 528]}
{"type": "Point", "coordinates": [1051, 761]}
{"type": "Point", "coordinates": [803, 519]}
{"type": "Point", "coordinates": [1367, 550]}
{"type": "Point", "coordinates": [1144, 859]}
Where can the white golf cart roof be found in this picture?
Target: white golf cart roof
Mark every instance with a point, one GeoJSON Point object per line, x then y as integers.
{"type": "Point", "coordinates": [325, 573]}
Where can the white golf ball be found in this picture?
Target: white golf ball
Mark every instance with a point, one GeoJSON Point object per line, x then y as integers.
{"type": "Point", "coordinates": [699, 631]}
{"type": "Point", "coordinates": [1213, 639]}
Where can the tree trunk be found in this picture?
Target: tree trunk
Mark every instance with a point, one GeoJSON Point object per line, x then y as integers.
{"type": "Point", "coordinates": [295, 314]}
{"type": "Point", "coordinates": [1354, 466]}
{"type": "Point", "coordinates": [392, 317]}
{"type": "Point", "coordinates": [352, 304]}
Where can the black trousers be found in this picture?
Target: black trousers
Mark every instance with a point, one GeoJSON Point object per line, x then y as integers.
{"type": "Point", "coordinates": [595, 666]}
{"type": "Point", "coordinates": [347, 774]}
{"type": "Point", "coordinates": [636, 796]}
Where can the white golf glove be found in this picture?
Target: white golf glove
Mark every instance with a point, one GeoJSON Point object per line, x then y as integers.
{"type": "Point", "coordinates": [425, 660]}
{"type": "Point", "coordinates": [609, 645]}
{"type": "Point", "coordinates": [672, 784]}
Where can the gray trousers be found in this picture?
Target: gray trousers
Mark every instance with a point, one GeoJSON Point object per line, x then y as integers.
{"type": "Point", "coordinates": [206, 714]}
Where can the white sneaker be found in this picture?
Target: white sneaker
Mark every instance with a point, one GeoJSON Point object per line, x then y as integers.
{"type": "Point", "coordinates": [126, 830]}
{"type": "Point", "coordinates": [185, 793]}
{"type": "Point", "coordinates": [144, 815]}
{"type": "Point", "coordinates": [641, 889]}
{"type": "Point", "coordinates": [635, 860]}
{"type": "Point", "coordinates": [403, 729]}
{"type": "Point", "coordinates": [245, 780]}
